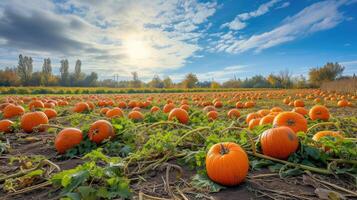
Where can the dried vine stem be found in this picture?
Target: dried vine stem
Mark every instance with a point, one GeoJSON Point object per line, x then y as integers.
{"type": "Point", "coordinates": [322, 124]}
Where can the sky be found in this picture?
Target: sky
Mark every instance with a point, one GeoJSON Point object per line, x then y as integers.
{"type": "Point", "coordinates": [216, 40]}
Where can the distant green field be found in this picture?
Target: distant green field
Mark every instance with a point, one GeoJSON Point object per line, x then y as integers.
{"type": "Point", "coordinates": [103, 90]}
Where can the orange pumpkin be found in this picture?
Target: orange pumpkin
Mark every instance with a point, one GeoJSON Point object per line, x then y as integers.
{"type": "Point", "coordinates": [293, 120]}
{"type": "Point", "coordinates": [322, 134]}
{"type": "Point", "coordinates": [67, 139]}
{"type": "Point", "coordinates": [36, 104]}
{"type": "Point", "coordinates": [342, 103]}
{"type": "Point", "coordinates": [185, 107]}
{"type": "Point", "coordinates": [135, 115]}
{"type": "Point", "coordinates": [154, 109]}
{"type": "Point", "coordinates": [5, 125]}
{"type": "Point", "coordinates": [180, 114]}
{"type": "Point", "coordinates": [267, 120]}
{"type": "Point", "coordinates": [168, 107]}
{"type": "Point", "coordinates": [100, 130]}
{"type": "Point", "coordinates": [50, 113]}
{"type": "Point", "coordinates": [11, 111]}
{"type": "Point", "coordinates": [279, 142]}
{"type": "Point", "coordinates": [301, 110]}
{"type": "Point", "coordinates": [33, 119]}
{"type": "Point", "coordinates": [253, 123]}
{"type": "Point", "coordinates": [233, 113]}
{"type": "Point", "coordinates": [263, 112]}
{"type": "Point", "coordinates": [212, 115]}
{"type": "Point", "coordinates": [299, 103]}
{"type": "Point", "coordinates": [251, 116]}
{"type": "Point", "coordinates": [319, 112]}
{"type": "Point", "coordinates": [227, 163]}
{"type": "Point", "coordinates": [81, 107]}
{"type": "Point", "coordinates": [115, 112]}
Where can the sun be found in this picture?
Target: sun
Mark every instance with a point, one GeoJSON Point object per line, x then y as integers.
{"type": "Point", "coordinates": [136, 48]}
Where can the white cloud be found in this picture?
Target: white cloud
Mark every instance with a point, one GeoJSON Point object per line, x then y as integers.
{"type": "Point", "coordinates": [144, 36]}
{"type": "Point", "coordinates": [284, 5]}
{"type": "Point", "coordinates": [238, 22]}
{"type": "Point", "coordinates": [316, 17]}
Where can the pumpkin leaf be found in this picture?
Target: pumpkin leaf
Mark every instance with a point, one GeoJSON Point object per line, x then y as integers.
{"type": "Point", "coordinates": [259, 164]}
{"type": "Point", "coordinates": [202, 182]}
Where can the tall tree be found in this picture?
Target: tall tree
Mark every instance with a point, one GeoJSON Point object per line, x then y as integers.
{"type": "Point", "coordinates": [64, 72]}
{"type": "Point", "coordinates": [78, 75]}
{"type": "Point", "coordinates": [46, 72]}
{"type": "Point", "coordinates": [190, 81]}
{"type": "Point", "coordinates": [91, 80]}
{"type": "Point", "coordinates": [24, 69]}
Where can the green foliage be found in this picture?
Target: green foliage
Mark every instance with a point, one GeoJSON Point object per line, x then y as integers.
{"type": "Point", "coordinates": [110, 183]}
{"type": "Point", "coordinates": [203, 182]}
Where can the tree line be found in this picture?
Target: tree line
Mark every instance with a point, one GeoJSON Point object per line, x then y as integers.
{"type": "Point", "coordinates": [23, 75]}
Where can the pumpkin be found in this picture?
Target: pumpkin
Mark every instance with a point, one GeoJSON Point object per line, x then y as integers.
{"type": "Point", "coordinates": [180, 114]}
{"type": "Point", "coordinates": [233, 113]}
{"type": "Point", "coordinates": [100, 130]}
{"type": "Point", "coordinates": [168, 107]}
{"type": "Point", "coordinates": [154, 109]}
{"type": "Point", "coordinates": [104, 111]}
{"type": "Point", "coordinates": [91, 105]}
{"type": "Point", "coordinates": [185, 107]}
{"type": "Point", "coordinates": [319, 112]}
{"type": "Point", "coordinates": [267, 120]}
{"type": "Point", "coordinates": [227, 163]}
{"type": "Point", "coordinates": [299, 103]}
{"type": "Point", "coordinates": [33, 119]}
{"type": "Point", "coordinates": [279, 142]}
{"type": "Point", "coordinates": [5, 125]}
{"type": "Point", "coordinates": [50, 113]}
{"type": "Point", "coordinates": [263, 112]}
{"type": "Point", "coordinates": [322, 134]}
{"type": "Point", "coordinates": [253, 123]}
{"type": "Point", "coordinates": [218, 104]}
{"type": "Point", "coordinates": [115, 112]}
{"type": "Point", "coordinates": [209, 108]}
{"type": "Point", "coordinates": [67, 139]}
{"type": "Point", "coordinates": [301, 110]}
{"type": "Point", "coordinates": [135, 115]}
{"type": "Point", "coordinates": [11, 111]}
{"type": "Point", "coordinates": [251, 116]}
{"type": "Point", "coordinates": [342, 103]}
{"type": "Point", "coordinates": [212, 115]}
{"type": "Point", "coordinates": [81, 107]}
{"type": "Point", "coordinates": [239, 105]}
{"type": "Point", "coordinates": [36, 104]}
{"type": "Point", "coordinates": [276, 109]}
{"type": "Point", "coordinates": [122, 104]}
{"type": "Point", "coordinates": [293, 120]}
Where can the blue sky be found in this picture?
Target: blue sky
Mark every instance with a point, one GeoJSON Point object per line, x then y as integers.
{"type": "Point", "coordinates": [214, 39]}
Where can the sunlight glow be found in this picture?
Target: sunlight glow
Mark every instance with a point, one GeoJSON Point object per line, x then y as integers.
{"type": "Point", "coordinates": [136, 48]}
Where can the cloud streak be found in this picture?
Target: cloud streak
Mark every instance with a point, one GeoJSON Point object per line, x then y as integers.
{"type": "Point", "coordinates": [314, 18]}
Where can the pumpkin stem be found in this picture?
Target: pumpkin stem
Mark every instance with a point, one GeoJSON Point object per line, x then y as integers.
{"type": "Point", "coordinates": [224, 150]}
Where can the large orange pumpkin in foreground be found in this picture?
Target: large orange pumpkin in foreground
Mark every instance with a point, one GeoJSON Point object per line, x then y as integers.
{"type": "Point", "coordinates": [279, 142]}
{"type": "Point", "coordinates": [293, 120]}
{"type": "Point", "coordinates": [180, 114]}
{"type": "Point", "coordinates": [100, 130]}
{"type": "Point", "coordinates": [319, 112]}
{"type": "Point", "coordinates": [227, 163]}
{"type": "Point", "coordinates": [32, 119]}
{"type": "Point", "coordinates": [67, 139]}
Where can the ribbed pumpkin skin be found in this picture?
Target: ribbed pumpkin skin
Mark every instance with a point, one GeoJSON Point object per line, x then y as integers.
{"type": "Point", "coordinates": [228, 169]}
{"type": "Point", "coordinates": [32, 119]}
{"type": "Point", "coordinates": [293, 120]}
{"type": "Point", "coordinates": [100, 130]}
{"type": "Point", "coordinates": [279, 142]}
{"type": "Point", "coordinates": [67, 139]}
{"type": "Point", "coordinates": [319, 112]}
{"type": "Point", "coordinates": [180, 114]}
{"type": "Point", "coordinates": [322, 134]}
